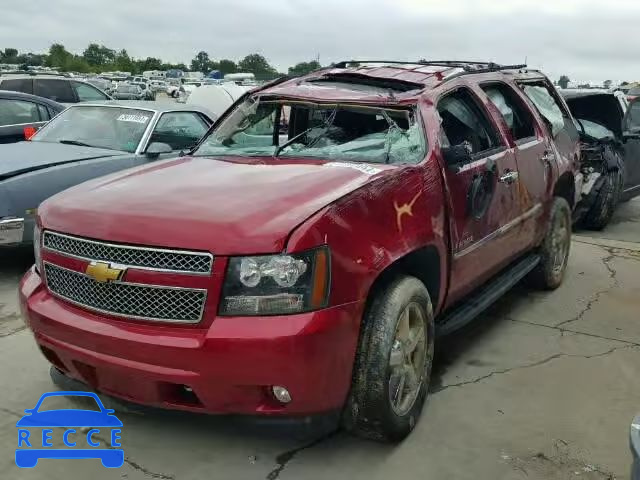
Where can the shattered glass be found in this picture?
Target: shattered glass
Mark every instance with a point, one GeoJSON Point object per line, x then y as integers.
{"type": "Point", "coordinates": [497, 98]}
{"type": "Point", "coordinates": [331, 132]}
{"type": "Point", "coordinates": [547, 106]}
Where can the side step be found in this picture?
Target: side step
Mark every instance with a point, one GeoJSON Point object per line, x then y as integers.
{"type": "Point", "coordinates": [463, 313]}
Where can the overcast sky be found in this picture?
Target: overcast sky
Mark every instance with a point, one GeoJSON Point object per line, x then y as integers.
{"type": "Point", "coordinates": [586, 39]}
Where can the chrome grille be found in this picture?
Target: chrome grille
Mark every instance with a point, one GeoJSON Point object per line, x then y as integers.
{"type": "Point", "coordinates": [132, 256]}
{"type": "Point", "coordinates": [145, 302]}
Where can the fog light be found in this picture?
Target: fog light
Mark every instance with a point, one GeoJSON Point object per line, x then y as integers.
{"type": "Point", "coordinates": [281, 394]}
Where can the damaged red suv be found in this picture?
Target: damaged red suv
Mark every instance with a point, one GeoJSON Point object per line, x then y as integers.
{"type": "Point", "coordinates": [304, 258]}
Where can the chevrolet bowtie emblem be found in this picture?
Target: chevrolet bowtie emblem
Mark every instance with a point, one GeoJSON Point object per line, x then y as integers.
{"type": "Point", "coordinates": [103, 272]}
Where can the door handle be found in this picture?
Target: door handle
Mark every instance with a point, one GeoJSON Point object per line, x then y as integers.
{"type": "Point", "coordinates": [509, 177]}
{"type": "Point", "coordinates": [548, 157]}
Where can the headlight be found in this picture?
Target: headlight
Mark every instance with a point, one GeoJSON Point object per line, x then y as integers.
{"type": "Point", "coordinates": [276, 284]}
{"type": "Point", "coordinates": [37, 243]}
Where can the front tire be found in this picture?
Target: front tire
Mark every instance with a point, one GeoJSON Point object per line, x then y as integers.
{"type": "Point", "coordinates": [600, 214]}
{"type": "Point", "coordinates": [393, 363]}
{"type": "Point", "coordinates": [555, 248]}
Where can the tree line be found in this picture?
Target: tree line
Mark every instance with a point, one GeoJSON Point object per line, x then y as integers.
{"type": "Point", "coordinates": [99, 58]}
{"type": "Point", "coordinates": [564, 81]}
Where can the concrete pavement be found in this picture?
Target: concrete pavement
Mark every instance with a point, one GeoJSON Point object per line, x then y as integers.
{"type": "Point", "coordinates": [544, 386]}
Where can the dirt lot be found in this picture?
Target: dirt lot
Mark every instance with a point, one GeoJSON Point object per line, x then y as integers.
{"type": "Point", "coordinates": [543, 387]}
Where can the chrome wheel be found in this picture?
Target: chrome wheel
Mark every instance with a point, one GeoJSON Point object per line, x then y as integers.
{"type": "Point", "coordinates": [408, 358]}
{"type": "Point", "coordinates": [561, 237]}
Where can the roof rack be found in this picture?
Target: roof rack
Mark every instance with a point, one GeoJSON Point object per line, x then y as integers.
{"type": "Point", "coordinates": [467, 66]}
{"type": "Point", "coordinates": [32, 73]}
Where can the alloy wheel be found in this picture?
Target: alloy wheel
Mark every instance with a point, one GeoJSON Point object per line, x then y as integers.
{"type": "Point", "coordinates": [561, 237]}
{"type": "Point", "coordinates": [408, 359]}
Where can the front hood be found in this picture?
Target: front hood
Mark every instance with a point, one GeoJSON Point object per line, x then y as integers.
{"type": "Point", "coordinates": [23, 157]}
{"type": "Point", "coordinates": [226, 207]}
{"type": "Point", "coordinates": [603, 109]}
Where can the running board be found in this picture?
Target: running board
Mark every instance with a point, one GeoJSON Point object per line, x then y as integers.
{"type": "Point", "coordinates": [463, 313]}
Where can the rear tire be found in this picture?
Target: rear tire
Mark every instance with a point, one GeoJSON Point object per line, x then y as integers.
{"type": "Point", "coordinates": [599, 215]}
{"type": "Point", "coordinates": [393, 363]}
{"type": "Point", "coordinates": [555, 248]}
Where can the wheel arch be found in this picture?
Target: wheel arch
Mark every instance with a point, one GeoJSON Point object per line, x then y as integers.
{"type": "Point", "coordinates": [424, 263]}
{"type": "Point", "coordinates": [565, 188]}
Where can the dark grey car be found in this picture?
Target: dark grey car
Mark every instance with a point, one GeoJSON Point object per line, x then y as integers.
{"type": "Point", "coordinates": [57, 87]}
{"type": "Point", "coordinates": [84, 142]}
{"type": "Point", "coordinates": [21, 112]}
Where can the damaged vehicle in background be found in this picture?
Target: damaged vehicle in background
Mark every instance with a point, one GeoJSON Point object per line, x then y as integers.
{"type": "Point", "coordinates": [610, 143]}
{"type": "Point", "coordinates": [128, 91]}
{"type": "Point", "coordinates": [149, 94]}
{"type": "Point", "coordinates": [87, 141]}
{"type": "Point", "coordinates": [305, 267]}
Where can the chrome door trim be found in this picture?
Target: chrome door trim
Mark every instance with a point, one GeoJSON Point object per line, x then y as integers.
{"type": "Point", "coordinates": [534, 211]}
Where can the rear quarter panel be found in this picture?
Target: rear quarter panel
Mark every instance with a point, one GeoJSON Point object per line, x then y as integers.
{"type": "Point", "coordinates": [372, 227]}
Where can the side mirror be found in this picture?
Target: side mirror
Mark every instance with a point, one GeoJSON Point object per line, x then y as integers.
{"type": "Point", "coordinates": [157, 148]}
{"type": "Point", "coordinates": [457, 156]}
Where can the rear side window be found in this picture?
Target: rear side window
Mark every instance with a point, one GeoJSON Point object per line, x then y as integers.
{"type": "Point", "coordinates": [464, 121]}
{"type": "Point", "coordinates": [24, 85]}
{"type": "Point", "coordinates": [517, 117]}
{"type": "Point", "coordinates": [88, 93]}
{"type": "Point", "coordinates": [54, 89]}
{"type": "Point", "coordinates": [16, 112]}
{"type": "Point", "coordinates": [547, 105]}
{"type": "Point", "coordinates": [45, 114]}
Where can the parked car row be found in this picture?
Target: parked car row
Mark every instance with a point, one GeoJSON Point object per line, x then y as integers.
{"type": "Point", "coordinates": [67, 90]}
{"type": "Point", "coordinates": [305, 252]}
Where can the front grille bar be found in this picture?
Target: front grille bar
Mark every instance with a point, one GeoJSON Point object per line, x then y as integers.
{"type": "Point", "coordinates": [131, 300]}
{"type": "Point", "coordinates": [145, 258]}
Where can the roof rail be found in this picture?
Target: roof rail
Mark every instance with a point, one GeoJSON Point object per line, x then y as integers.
{"type": "Point", "coordinates": [33, 73]}
{"type": "Point", "coordinates": [467, 66]}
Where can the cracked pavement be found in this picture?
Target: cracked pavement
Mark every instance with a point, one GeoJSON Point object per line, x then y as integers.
{"type": "Point", "coordinates": [543, 386]}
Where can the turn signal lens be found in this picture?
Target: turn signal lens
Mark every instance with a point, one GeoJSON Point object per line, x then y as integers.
{"type": "Point", "coordinates": [29, 132]}
{"type": "Point", "coordinates": [320, 288]}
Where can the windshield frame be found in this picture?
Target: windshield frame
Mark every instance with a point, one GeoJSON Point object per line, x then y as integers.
{"type": "Point", "coordinates": [155, 115]}
{"type": "Point", "coordinates": [412, 109]}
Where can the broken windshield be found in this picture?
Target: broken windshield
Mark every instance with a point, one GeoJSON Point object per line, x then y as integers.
{"type": "Point", "coordinates": [281, 128]}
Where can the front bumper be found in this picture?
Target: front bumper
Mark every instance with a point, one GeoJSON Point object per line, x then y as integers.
{"type": "Point", "coordinates": [226, 367]}
{"type": "Point", "coordinates": [635, 448]}
{"type": "Point", "coordinates": [11, 231]}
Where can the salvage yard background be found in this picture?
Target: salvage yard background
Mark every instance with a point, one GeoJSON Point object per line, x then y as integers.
{"type": "Point", "coordinates": [543, 387]}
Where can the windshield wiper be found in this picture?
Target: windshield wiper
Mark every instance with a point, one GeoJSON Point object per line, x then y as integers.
{"type": "Point", "coordinates": [74, 142]}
